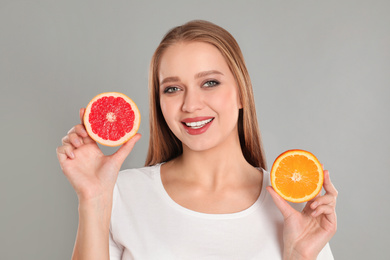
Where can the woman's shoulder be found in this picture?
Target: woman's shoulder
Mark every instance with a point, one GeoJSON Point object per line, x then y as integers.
{"type": "Point", "coordinates": [135, 187]}
{"type": "Point", "coordinates": [266, 177]}
{"type": "Point", "coordinates": [138, 174]}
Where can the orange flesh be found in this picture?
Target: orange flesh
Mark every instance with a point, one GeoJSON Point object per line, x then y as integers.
{"type": "Point", "coordinates": [294, 182]}
{"type": "Point", "coordinates": [297, 177]}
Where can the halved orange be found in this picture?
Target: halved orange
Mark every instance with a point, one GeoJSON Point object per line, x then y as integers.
{"type": "Point", "coordinates": [297, 176]}
{"type": "Point", "coordinates": [111, 118]}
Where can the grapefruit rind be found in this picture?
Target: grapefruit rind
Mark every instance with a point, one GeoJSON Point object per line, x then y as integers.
{"type": "Point", "coordinates": [311, 157]}
{"type": "Point", "coordinates": [125, 138]}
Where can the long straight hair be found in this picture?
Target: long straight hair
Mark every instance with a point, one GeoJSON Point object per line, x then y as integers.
{"type": "Point", "coordinates": [163, 144]}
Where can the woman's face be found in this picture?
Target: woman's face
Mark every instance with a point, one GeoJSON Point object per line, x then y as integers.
{"type": "Point", "coordinates": [198, 95]}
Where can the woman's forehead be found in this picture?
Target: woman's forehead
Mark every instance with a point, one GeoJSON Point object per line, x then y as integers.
{"type": "Point", "coordinates": [186, 58]}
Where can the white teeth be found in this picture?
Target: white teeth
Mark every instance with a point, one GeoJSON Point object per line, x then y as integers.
{"type": "Point", "coordinates": [198, 124]}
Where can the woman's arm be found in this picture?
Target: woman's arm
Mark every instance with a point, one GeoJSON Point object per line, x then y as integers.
{"type": "Point", "coordinates": [93, 176]}
{"type": "Point", "coordinates": [93, 230]}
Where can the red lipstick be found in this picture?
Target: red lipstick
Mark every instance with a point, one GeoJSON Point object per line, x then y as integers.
{"type": "Point", "coordinates": [197, 125]}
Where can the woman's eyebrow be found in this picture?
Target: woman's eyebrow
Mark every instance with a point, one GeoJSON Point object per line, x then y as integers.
{"type": "Point", "coordinates": [169, 79]}
{"type": "Point", "coordinates": [206, 73]}
{"type": "Point", "coordinates": [198, 75]}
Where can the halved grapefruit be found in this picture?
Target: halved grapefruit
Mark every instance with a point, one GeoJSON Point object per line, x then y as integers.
{"type": "Point", "coordinates": [297, 176]}
{"type": "Point", "coordinates": [111, 118]}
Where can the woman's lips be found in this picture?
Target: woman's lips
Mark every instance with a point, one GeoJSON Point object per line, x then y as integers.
{"type": "Point", "coordinates": [197, 125]}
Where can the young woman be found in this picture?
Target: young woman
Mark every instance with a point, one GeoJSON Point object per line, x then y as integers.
{"type": "Point", "coordinates": [204, 193]}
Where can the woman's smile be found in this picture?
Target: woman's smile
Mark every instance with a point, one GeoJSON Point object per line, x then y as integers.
{"type": "Point", "coordinates": [197, 125]}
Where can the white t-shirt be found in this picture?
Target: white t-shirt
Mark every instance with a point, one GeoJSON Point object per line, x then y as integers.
{"type": "Point", "coordinates": [146, 224]}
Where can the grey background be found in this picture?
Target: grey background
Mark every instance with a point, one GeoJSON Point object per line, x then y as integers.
{"type": "Point", "coordinates": [320, 71]}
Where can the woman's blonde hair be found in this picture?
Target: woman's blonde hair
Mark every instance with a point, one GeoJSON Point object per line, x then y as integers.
{"type": "Point", "coordinates": [163, 144]}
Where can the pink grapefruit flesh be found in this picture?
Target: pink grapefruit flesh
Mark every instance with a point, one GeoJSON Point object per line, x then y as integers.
{"type": "Point", "coordinates": [111, 118]}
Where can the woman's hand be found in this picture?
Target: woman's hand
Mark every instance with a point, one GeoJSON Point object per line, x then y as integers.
{"type": "Point", "coordinates": [93, 176]}
{"type": "Point", "coordinates": [306, 233]}
{"type": "Point", "coordinates": [91, 173]}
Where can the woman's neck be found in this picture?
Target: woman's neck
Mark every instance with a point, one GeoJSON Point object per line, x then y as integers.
{"type": "Point", "coordinates": [214, 167]}
{"type": "Point", "coordinates": [217, 180]}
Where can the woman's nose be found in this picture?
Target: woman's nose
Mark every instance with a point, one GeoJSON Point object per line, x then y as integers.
{"type": "Point", "coordinates": [192, 101]}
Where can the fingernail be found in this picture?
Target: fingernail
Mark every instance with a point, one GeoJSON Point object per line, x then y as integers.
{"type": "Point", "coordinates": [314, 204]}
{"type": "Point", "coordinates": [71, 155]}
{"type": "Point", "coordinates": [314, 213]}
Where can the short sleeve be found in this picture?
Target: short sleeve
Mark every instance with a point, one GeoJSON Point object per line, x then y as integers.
{"type": "Point", "coordinates": [326, 253]}
{"type": "Point", "coordinates": [114, 249]}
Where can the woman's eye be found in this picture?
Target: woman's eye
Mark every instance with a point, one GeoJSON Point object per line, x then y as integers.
{"type": "Point", "coordinates": [171, 89]}
{"type": "Point", "coordinates": [211, 83]}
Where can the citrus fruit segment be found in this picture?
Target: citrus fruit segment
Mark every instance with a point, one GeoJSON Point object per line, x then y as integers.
{"type": "Point", "coordinates": [297, 176]}
{"type": "Point", "coordinates": [111, 118]}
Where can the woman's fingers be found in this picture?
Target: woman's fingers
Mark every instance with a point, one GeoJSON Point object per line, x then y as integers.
{"type": "Point", "coordinates": [64, 152]}
{"type": "Point", "coordinates": [125, 149]}
{"type": "Point", "coordinates": [330, 196]}
{"type": "Point", "coordinates": [69, 143]}
{"type": "Point", "coordinates": [73, 139]}
{"type": "Point", "coordinates": [283, 206]}
{"type": "Point", "coordinates": [79, 129]}
{"type": "Point", "coordinates": [326, 204]}
{"type": "Point", "coordinates": [323, 200]}
{"type": "Point", "coordinates": [328, 185]}
{"type": "Point", "coordinates": [82, 133]}
{"type": "Point", "coordinates": [81, 113]}
{"type": "Point", "coordinates": [323, 209]}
